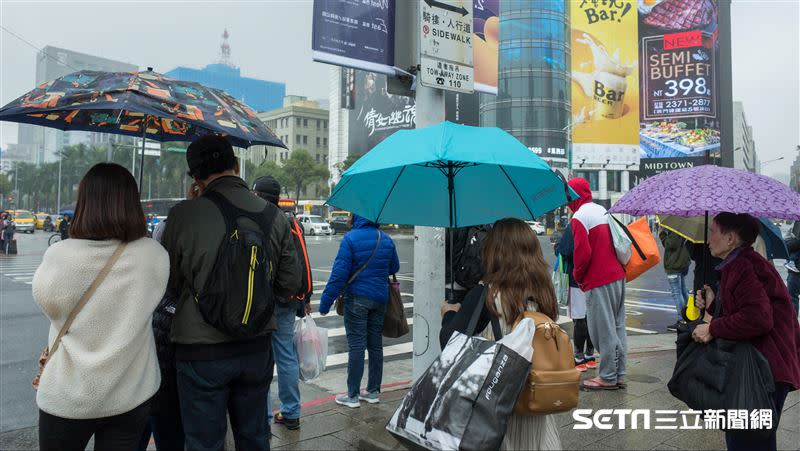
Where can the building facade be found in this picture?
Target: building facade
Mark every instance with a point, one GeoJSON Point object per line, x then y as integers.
{"type": "Point", "coordinates": [794, 174]}
{"type": "Point", "coordinates": [36, 144]}
{"type": "Point", "coordinates": [300, 124]}
{"type": "Point", "coordinates": [533, 90]}
{"type": "Point", "coordinates": [744, 148]}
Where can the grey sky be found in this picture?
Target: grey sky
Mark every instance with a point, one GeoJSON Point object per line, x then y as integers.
{"type": "Point", "coordinates": [271, 39]}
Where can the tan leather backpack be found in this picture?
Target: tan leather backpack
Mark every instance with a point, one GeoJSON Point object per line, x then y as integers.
{"type": "Point", "coordinates": [552, 384]}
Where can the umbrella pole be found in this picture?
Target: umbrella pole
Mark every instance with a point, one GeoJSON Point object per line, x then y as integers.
{"type": "Point", "coordinates": [451, 196]}
{"type": "Point", "coordinates": [141, 160]}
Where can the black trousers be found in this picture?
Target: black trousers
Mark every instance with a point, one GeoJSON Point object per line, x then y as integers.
{"type": "Point", "coordinates": [583, 344]}
{"type": "Point", "coordinates": [207, 389]}
{"type": "Point", "coordinates": [120, 432]}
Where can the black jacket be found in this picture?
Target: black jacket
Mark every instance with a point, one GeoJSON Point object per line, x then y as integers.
{"type": "Point", "coordinates": [566, 248]}
{"type": "Point", "coordinates": [712, 276]}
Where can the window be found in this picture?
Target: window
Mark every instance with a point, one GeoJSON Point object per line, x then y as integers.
{"type": "Point", "coordinates": [591, 177]}
{"type": "Point", "coordinates": [318, 141]}
{"type": "Point", "coordinates": [317, 158]}
{"type": "Point", "coordinates": [318, 124]}
{"type": "Point", "coordinates": [325, 158]}
{"type": "Point", "coordinates": [297, 139]}
{"type": "Point", "coordinates": [305, 139]}
{"type": "Point", "coordinates": [325, 142]}
{"type": "Point", "coordinates": [305, 122]}
{"type": "Point", "coordinates": [324, 124]}
{"type": "Point", "coordinates": [614, 180]}
{"type": "Point", "coordinates": [297, 121]}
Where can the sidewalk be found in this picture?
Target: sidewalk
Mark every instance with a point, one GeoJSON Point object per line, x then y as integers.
{"type": "Point", "coordinates": [327, 426]}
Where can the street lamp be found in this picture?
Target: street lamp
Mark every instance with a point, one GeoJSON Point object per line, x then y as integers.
{"type": "Point", "coordinates": [763, 163]}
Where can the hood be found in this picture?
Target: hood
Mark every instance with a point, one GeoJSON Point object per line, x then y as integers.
{"type": "Point", "coordinates": [582, 188]}
{"type": "Point", "coordinates": [360, 222]}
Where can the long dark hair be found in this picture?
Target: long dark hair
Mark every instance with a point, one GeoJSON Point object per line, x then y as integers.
{"type": "Point", "coordinates": [108, 206]}
{"type": "Point", "coordinates": [514, 267]}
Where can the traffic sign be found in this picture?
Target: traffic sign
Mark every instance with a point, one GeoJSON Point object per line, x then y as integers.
{"type": "Point", "coordinates": [446, 45]}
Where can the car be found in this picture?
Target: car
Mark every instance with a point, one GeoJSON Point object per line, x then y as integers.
{"type": "Point", "coordinates": [341, 224]}
{"type": "Point", "coordinates": [536, 226]}
{"type": "Point", "coordinates": [339, 214]}
{"type": "Point", "coordinates": [314, 225]}
{"type": "Point", "coordinates": [39, 220]}
{"type": "Point", "coordinates": [24, 221]}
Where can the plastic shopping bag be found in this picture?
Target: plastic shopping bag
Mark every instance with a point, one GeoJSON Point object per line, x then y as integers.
{"type": "Point", "coordinates": [311, 343]}
{"type": "Point", "coordinates": [561, 282]}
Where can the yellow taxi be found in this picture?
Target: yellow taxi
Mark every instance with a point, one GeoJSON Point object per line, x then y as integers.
{"type": "Point", "coordinates": [38, 219]}
{"type": "Point", "coordinates": [24, 221]}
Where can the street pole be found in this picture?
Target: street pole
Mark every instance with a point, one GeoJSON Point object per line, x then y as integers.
{"type": "Point", "coordinates": [58, 196]}
{"type": "Point", "coordinates": [141, 162]}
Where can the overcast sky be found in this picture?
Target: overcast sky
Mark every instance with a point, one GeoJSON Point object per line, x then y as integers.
{"type": "Point", "coordinates": [271, 39]}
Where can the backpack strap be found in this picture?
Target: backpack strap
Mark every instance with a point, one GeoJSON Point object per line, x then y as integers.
{"type": "Point", "coordinates": [230, 213]}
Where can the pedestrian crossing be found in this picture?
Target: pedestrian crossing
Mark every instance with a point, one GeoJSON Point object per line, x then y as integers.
{"type": "Point", "coordinates": [20, 268]}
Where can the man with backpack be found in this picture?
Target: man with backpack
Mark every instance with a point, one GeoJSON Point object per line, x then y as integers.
{"type": "Point", "coordinates": [298, 304]}
{"type": "Point", "coordinates": [601, 276]}
{"type": "Point", "coordinates": [231, 256]}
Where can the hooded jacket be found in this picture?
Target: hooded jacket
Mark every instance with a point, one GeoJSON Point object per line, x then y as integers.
{"type": "Point", "coordinates": [594, 258]}
{"type": "Point", "coordinates": [356, 248]}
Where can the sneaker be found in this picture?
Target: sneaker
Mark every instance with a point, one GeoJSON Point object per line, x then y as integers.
{"type": "Point", "coordinates": [370, 397]}
{"type": "Point", "coordinates": [791, 266]}
{"type": "Point", "coordinates": [591, 364]}
{"type": "Point", "coordinates": [344, 400]}
{"type": "Point", "coordinates": [581, 367]}
{"type": "Point", "coordinates": [291, 424]}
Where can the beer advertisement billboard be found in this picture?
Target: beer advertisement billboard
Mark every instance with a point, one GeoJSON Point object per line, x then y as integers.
{"type": "Point", "coordinates": [605, 81]}
{"type": "Point", "coordinates": [678, 53]}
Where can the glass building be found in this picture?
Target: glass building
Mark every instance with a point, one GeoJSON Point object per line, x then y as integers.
{"type": "Point", "coordinates": [533, 98]}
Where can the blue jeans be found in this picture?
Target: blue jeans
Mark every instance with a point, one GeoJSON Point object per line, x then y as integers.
{"type": "Point", "coordinates": [286, 362]}
{"type": "Point", "coordinates": [363, 322]}
{"type": "Point", "coordinates": [208, 389]}
{"type": "Point", "coordinates": [680, 295]}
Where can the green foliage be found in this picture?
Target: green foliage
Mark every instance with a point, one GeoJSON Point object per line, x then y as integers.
{"type": "Point", "coordinates": [301, 170]}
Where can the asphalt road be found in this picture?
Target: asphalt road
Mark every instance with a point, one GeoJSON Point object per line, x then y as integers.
{"type": "Point", "coordinates": [23, 329]}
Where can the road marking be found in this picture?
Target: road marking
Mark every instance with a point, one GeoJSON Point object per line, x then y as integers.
{"type": "Point", "coordinates": [647, 291]}
{"type": "Point", "coordinates": [407, 279]}
{"type": "Point", "coordinates": [341, 359]}
{"type": "Point", "coordinates": [317, 315]}
{"type": "Point", "coordinates": [649, 306]}
{"type": "Point", "coordinates": [641, 331]}
{"type": "Point", "coordinates": [340, 331]}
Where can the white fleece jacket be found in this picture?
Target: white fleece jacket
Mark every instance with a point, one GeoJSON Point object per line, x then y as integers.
{"type": "Point", "coordinates": [106, 364]}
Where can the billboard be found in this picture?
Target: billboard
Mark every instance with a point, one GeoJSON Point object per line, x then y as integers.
{"type": "Point", "coordinates": [678, 54]}
{"type": "Point", "coordinates": [356, 34]}
{"type": "Point", "coordinates": [375, 113]}
{"type": "Point", "coordinates": [605, 82]}
{"type": "Point", "coordinates": [485, 44]}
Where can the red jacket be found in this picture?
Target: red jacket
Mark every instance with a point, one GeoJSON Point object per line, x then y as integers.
{"type": "Point", "coordinates": [756, 307]}
{"type": "Point", "coordinates": [595, 261]}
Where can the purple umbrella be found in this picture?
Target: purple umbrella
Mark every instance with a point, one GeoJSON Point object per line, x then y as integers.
{"type": "Point", "coordinates": [710, 189]}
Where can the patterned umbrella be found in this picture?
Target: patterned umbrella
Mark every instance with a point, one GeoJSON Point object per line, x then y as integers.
{"type": "Point", "coordinates": [144, 104]}
{"type": "Point", "coordinates": [710, 189]}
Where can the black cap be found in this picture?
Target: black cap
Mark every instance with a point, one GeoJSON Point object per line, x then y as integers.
{"type": "Point", "coordinates": [211, 154]}
{"type": "Point", "coordinates": [268, 188]}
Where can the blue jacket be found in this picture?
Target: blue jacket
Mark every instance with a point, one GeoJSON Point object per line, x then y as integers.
{"type": "Point", "coordinates": [354, 251]}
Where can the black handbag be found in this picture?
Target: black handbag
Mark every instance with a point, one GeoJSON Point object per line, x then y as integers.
{"type": "Point", "coordinates": [722, 375]}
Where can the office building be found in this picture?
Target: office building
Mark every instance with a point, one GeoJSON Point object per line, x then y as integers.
{"type": "Point", "coordinates": [744, 148]}
{"type": "Point", "coordinates": [261, 95]}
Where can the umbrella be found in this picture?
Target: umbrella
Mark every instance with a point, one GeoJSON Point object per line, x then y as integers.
{"type": "Point", "coordinates": [145, 104]}
{"type": "Point", "coordinates": [691, 229]}
{"type": "Point", "coordinates": [710, 189]}
{"type": "Point", "coordinates": [69, 213]}
{"type": "Point", "coordinates": [450, 175]}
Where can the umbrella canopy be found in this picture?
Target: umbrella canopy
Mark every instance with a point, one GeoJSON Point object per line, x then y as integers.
{"type": "Point", "coordinates": [141, 104]}
{"type": "Point", "coordinates": [692, 230]}
{"type": "Point", "coordinates": [450, 175]}
{"type": "Point", "coordinates": [710, 189]}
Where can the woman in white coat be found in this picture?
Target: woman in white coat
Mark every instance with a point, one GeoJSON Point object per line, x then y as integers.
{"type": "Point", "coordinates": [100, 377]}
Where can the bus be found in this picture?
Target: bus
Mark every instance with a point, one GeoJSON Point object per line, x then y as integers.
{"type": "Point", "coordinates": [159, 207]}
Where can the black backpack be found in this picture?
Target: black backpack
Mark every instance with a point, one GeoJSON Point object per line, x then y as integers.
{"type": "Point", "coordinates": [237, 297]}
{"type": "Point", "coordinates": [468, 263]}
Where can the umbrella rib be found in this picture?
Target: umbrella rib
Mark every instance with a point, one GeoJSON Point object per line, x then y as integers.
{"type": "Point", "coordinates": [377, 218]}
{"type": "Point", "coordinates": [517, 190]}
{"type": "Point", "coordinates": [340, 187]}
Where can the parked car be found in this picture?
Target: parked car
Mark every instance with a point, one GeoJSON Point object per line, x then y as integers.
{"type": "Point", "coordinates": [314, 225]}
{"type": "Point", "coordinates": [24, 221]}
{"type": "Point", "coordinates": [537, 227]}
{"type": "Point", "coordinates": [341, 224]}
{"type": "Point", "coordinates": [336, 214]}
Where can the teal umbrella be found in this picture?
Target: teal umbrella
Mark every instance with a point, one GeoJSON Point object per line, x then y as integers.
{"type": "Point", "coordinates": [450, 175]}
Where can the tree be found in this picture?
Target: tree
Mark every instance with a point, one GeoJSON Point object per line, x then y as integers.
{"type": "Point", "coordinates": [269, 168]}
{"type": "Point", "coordinates": [301, 170]}
{"type": "Point", "coordinates": [345, 165]}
